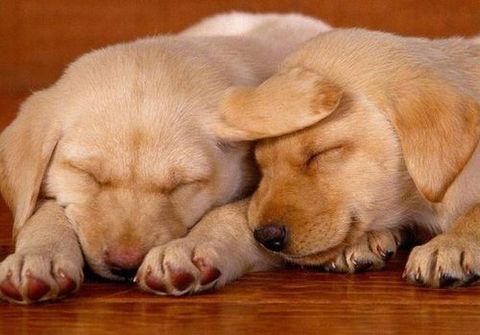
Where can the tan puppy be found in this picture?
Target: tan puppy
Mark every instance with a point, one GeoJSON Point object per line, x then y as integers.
{"type": "Point", "coordinates": [118, 158]}
{"type": "Point", "coordinates": [387, 132]}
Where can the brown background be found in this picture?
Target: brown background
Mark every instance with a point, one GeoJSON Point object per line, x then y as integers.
{"type": "Point", "coordinates": [39, 37]}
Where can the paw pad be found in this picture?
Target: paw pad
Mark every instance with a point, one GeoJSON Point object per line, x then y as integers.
{"type": "Point", "coordinates": [36, 288]}
{"type": "Point", "coordinates": [65, 283]}
{"type": "Point", "coordinates": [155, 284]}
{"type": "Point", "coordinates": [208, 273]}
{"type": "Point", "coordinates": [181, 280]}
{"type": "Point", "coordinates": [9, 290]}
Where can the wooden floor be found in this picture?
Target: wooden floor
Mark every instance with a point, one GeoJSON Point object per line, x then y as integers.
{"type": "Point", "coordinates": [285, 302]}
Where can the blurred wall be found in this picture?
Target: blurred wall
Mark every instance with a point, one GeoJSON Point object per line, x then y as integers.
{"type": "Point", "coordinates": [39, 37]}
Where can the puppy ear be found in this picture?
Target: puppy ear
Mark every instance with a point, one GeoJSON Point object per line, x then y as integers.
{"type": "Point", "coordinates": [439, 129]}
{"type": "Point", "coordinates": [287, 102]}
{"type": "Point", "coordinates": [26, 147]}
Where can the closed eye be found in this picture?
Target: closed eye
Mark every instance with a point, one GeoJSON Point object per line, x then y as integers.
{"type": "Point", "coordinates": [324, 155]}
{"type": "Point", "coordinates": [183, 184]}
{"type": "Point", "coordinates": [85, 172]}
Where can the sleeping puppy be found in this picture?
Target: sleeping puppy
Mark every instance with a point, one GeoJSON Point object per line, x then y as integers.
{"type": "Point", "coordinates": [384, 135]}
{"type": "Point", "coordinates": [119, 157]}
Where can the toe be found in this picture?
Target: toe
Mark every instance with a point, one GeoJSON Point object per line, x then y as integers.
{"type": "Point", "coordinates": [414, 276]}
{"type": "Point", "coordinates": [361, 265]}
{"type": "Point", "coordinates": [180, 279]}
{"type": "Point", "coordinates": [208, 274]}
{"type": "Point", "coordinates": [418, 277]}
{"type": "Point", "coordinates": [9, 289]}
{"type": "Point", "coordinates": [36, 288]}
{"type": "Point", "coordinates": [66, 284]}
{"type": "Point", "coordinates": [155, 284]}
{"type": "Point", "coordinates": [385, 254]}
{"type": "Point", "coordinates": [447, 280]}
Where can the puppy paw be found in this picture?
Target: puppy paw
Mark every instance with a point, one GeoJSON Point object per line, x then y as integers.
{"type": "Point", "coordinates": [370, 252]}
{"type": "Point", "coordinates": [181, 267]}
{"type": "Point", "coordinates": [446, 261]}
{"type": "Point", "coordinates": [34, 277]}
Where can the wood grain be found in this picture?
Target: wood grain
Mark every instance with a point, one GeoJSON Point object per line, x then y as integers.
{"type": "Point", "coordinates": [39, 38]}
{"type": "Point", "coordinates": [285, 302]}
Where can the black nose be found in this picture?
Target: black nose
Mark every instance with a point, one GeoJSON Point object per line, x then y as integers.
{"type": "Point", "coordinates": [273, 237]}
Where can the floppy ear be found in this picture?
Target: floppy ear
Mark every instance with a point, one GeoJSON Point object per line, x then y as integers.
{"type": "Point", "coordinates": [288, 101]}
{"type": "Point", "coordinates": [439, 128]}
{"type": "Point", "coordinates": [26, 147]}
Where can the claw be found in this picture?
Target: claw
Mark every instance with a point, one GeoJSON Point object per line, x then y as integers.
{"type": "Point", "coordinates": [330, 267]}
{"type": "Point", "coordinates": [361, 266]}
{"type": "Point", "coordinates": [418, 276]}
{"type": "Point", "coordinates": [396, 240]}
{"type": "Point", "coordinates": [467, 270]}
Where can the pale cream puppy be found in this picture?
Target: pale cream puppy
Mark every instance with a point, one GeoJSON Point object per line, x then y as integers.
{"type": "Point", "coordinates": [384, 136]}
{"type": "Point", "coordinates": [118, 158]}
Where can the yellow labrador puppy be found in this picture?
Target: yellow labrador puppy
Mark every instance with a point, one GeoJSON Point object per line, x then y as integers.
{"type": "Point", "coordinates": [384, 135]}
{"type": "Point", "coordinates": [119, 157]}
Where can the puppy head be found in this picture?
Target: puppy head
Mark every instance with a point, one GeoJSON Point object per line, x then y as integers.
{"type": "Point", "coordinates": [348, 171]}
{"type": "Point", "coordinates": [123, 149]}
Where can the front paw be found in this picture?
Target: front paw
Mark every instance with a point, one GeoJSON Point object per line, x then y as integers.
{"type": "Point", "coordinates": [181, 267]}
{"type": "Point", "coordinates": [34, 277]}
{"type": "Point", "coordinates": [370, 252]}
{"type": "Point", "coordinates": [447, 260]}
